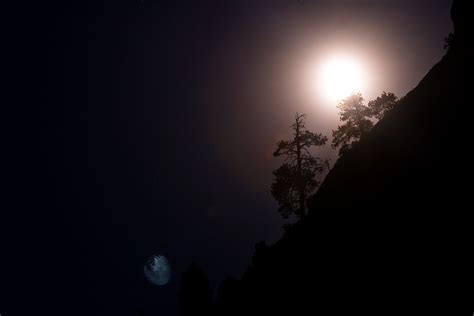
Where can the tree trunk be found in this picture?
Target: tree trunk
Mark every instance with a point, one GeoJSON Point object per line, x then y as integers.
{"type": "Point", "coordinates": [300, 177]}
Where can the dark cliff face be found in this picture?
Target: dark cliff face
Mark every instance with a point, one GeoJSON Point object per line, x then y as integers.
{"type": "Point", "coordinates": [398, 260]}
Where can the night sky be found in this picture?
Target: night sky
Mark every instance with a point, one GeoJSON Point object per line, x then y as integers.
{"type": "Point", "coordinates": [147, 127]}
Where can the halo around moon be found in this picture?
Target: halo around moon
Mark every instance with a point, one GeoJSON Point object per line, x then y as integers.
{"type": "Point", "coordinates": [340, 77]}
{"type": "Point", "coordinates": [157, 270]}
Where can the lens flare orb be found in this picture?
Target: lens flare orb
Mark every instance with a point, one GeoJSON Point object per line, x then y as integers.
{"type": "Point", "coordinates": [157, 270]}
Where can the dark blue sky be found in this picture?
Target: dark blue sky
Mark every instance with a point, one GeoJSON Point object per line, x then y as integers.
{"type": "Point", "coordinates": [146, 127]}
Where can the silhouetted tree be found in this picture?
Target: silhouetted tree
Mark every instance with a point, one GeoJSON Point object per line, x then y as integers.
{"type": "Point", "coordinates": [295, 180]}
{"type": "Point", "coordinates": [195, 293]}
{"type": "Point", "coordinates": [229, 297]}
{"type": "Point", "coordinates": [356, 117]}
{"type": "Point", "coordinates": [359, 118]}
{"type": "Point", "coordinates": [380, 106]}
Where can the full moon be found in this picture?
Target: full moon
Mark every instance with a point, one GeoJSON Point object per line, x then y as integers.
{"type": "Point", "coordinates": [339, 77]}
{"type": "Point", "coordinates": [157, 270]}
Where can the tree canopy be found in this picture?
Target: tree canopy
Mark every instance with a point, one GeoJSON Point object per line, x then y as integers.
{"type": "Point", "coordinates": [382, 104]}
{"type": "Point", "coordinates": [359, 118]}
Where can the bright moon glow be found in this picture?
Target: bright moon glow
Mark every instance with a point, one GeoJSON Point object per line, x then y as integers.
{"type": "Point", "coordinates": [340, 77]}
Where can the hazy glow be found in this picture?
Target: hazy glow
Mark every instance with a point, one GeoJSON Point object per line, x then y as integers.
{"type": "Point", "coordinates": [339, 77]}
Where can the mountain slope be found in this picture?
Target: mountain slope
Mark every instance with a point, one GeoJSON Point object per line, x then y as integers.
{"type": "Point", "coordinates": [407, 158]}
{"type": "Point", "coordinates": [403, 258]}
